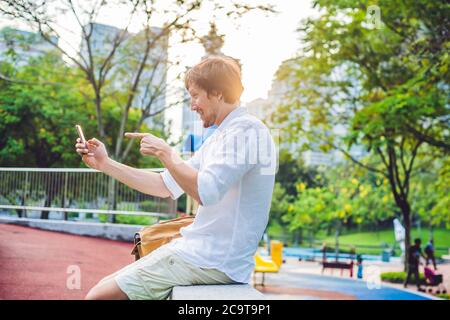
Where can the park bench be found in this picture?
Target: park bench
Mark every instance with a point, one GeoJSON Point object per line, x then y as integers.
{"type": "Point", "coordinates": [337, 264]}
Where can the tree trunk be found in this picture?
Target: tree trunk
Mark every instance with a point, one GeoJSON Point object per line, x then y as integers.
{"type": "Point", "coordinates": [407, 222]}
{"type": "Point", "coordinates": [311, 238]}
{"type": "Point", "coordinates": [298, 237]}
{"type": "Point", "coordinates": [112, 199]}
{"type": "Point", "coordinates": [336, 249]}
{"type": "Point", "coordinates": [98, 102]}
{"type": "Point", "coordinates": [48, 202]}
{"type": "Point", "coordinates": [49, 193]}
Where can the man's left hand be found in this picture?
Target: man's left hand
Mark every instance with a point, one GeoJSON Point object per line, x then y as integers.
{"type": "Point", "coordinates": [150, 144]}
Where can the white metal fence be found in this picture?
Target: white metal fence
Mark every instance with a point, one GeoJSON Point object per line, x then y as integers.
{"type": "Point", "coordinates": [83, 191]}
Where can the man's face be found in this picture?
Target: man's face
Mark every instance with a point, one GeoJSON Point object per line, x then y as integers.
{"type": "Point", "coordinates": [204, 106]}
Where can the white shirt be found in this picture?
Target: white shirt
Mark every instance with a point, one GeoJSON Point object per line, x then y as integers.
{"type": "Point", "coordinates": [236, 173]}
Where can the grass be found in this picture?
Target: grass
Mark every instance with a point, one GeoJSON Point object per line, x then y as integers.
{"type": "Point", "coordinates": [399, 277]}
{"type": "Point", "coordinates": [371, 242]}
{"type": "Point", "coordinates": [441, 240]}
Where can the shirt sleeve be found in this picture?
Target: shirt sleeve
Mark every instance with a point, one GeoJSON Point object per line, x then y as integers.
{"type": "Point", "coordinates": [225, 166]}
{"type": "Point", "coordinates": [171, 184]}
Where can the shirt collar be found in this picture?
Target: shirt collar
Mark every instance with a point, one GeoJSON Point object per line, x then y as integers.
{"type": "Point", "coordinates": [239, 111]}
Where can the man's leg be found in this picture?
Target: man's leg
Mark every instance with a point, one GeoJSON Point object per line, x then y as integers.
{"type": "Point", "coordinates": [416, 276]}
{"type": "Point", "coordinates": [408, 276]}
{"type": "Point", "coordinates": [106, 289]}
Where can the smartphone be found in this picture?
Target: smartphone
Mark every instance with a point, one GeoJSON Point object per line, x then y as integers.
{"type": "Point", "coordinates": [80, 133]}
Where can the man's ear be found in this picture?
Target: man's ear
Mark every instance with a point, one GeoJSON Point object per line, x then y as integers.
{"type": "Point", "coordinates": [218, 94]}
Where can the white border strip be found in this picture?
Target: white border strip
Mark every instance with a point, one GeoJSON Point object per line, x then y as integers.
{"type": "Point", "coordinates": [64, 169]}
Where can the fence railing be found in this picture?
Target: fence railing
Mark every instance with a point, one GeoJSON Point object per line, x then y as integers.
{"type": "Point", "coordinates": [41, 191]}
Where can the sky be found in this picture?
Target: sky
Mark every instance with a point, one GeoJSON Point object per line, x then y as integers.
{"type": "Point", "coordinates": [264, 42]}
{"type": "Point", "coordinates": [260, 42]}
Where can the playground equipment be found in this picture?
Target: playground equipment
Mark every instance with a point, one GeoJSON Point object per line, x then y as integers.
{"type": "Point", "coordinates": [270, 265]}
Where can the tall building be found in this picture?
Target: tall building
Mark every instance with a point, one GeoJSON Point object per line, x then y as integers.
{"type": "Point", "coordinates": [278, 95]}
{"type": "Point", "coordinates": [263, 109]}
{"type": "Point", "coordinates": [189, 117]}
{"type": "Point", "coordinates": [24, 44]}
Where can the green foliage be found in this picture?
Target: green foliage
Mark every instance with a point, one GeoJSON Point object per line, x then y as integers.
{"type": "Point", "coordinates": [431, 190]}
{"type": "Point", "coordinates": [398, 277]}
{"type": "Point", "coordinates": [37, 120]}
{"type": "Point", "coordinates": [388, 88]}
{"type": "Point", "coordinates": [371, 241]}
{"type": "Point", "coordinates": [137, 220]}
{"type": "Point", "coordinates": [38, 112]}
{"type": "Point", "coordinates": [291, 169]}
{"type": "Point", "coordinates": [348, 198]}
{"type": "Point", "coordinates": [289, 172]}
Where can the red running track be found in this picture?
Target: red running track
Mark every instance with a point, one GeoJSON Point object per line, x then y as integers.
{"type": "Point", "coordinates": [34, 264]}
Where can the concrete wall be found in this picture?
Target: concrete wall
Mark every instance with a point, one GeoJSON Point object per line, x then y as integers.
{"type": "Point", "coordinates": [111, 231]}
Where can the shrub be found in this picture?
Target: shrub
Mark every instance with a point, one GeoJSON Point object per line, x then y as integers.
{"type": "Point", "coordinates": [140, 220]}
{"type": "Point", "coordinates": [399, 277]}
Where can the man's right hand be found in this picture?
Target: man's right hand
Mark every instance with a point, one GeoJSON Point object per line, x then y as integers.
{"type": "Point", "coordinates": [93, 153]}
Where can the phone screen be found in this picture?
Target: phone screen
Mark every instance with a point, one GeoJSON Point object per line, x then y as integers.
{"type": "Point", "coordinates": [80, 133]}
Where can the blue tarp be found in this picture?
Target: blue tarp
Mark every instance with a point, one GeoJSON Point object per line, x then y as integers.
{"type": "Point", "coordinates": [193, 142]}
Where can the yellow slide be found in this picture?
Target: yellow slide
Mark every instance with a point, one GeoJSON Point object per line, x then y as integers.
{"type": "Point", "coordinates": [264, 265]}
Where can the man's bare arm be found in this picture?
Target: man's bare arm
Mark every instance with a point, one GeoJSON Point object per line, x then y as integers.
{"type": "Point", "coordinates": [184, 174]}
{"type": "Point", "coordinates": [146, 182]}
{"type": "Point", "coordinates": [94, 155]}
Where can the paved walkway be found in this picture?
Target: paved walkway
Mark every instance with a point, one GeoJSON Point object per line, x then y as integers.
{"type": "Point", "coordinates": [304, 280]}
{"type": "Point", "coordinates": [34, 264]}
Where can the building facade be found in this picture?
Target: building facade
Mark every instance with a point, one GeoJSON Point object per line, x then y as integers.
{"type": "Point", "coordinates": [19, 46]}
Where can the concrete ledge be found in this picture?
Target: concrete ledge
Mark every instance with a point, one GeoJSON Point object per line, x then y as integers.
{"type": "Point", "coordinates": [217, 292]}
{"type": "Point", "coordinates": [111, 231]}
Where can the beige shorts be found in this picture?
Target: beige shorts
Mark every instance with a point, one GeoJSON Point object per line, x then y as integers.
{"type": "Point", "coordinates": [153, 276]}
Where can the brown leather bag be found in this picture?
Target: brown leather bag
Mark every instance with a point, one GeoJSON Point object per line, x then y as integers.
{"type": "Point", "coordinates": [154, 236]}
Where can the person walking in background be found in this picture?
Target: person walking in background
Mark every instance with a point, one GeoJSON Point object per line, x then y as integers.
{"type": "Point", "coordinates": [429, 251]}
{"type": "Point", "coordinates": [413, 263]}
{"type": "Point", "coordinates": [359, 261]}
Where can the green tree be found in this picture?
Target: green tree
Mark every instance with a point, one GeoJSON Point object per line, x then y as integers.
{"type": "Point", "coordinates": [386, 86]}
{"type": "Point", "coordinates": [38, 111]}
{"type": "Point", "coordinates": [132, 60]}
{"type": "Point", "coordinates": [37, 119]}
{"type": "Point", "coordinates": [291, 169]}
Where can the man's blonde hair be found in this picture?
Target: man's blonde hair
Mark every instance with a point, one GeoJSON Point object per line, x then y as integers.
{"type": "Point", "coordinates": [217, 74]}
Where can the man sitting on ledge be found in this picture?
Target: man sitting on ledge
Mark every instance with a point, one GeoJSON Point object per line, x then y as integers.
{"type": "Point", "coordinates": [231, 176]}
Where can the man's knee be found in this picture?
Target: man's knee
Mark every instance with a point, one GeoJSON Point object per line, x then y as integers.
{"type": "Point", "coordinates": [106, 290]}
{"type": "Point", "coordinates": [92, 294]}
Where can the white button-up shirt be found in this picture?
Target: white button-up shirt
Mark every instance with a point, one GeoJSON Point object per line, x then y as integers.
{"type": "Point", "coordinates": [236, 173]}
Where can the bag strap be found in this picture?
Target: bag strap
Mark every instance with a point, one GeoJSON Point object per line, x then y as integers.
{"type": "Point", "coordinates": [137, 246]}
{"type": "Point", "coordinates": [177, 219]}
